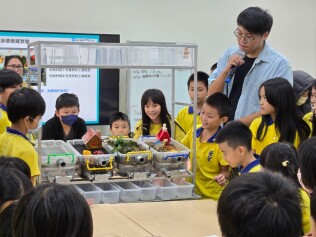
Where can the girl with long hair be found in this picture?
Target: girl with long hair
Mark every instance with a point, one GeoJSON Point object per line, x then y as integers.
{"type": "Point", "coordinates": [154, 115]}
{"type": "Point", "coordinates": [280, 121]}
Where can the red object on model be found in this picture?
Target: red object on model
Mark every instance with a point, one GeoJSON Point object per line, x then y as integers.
{"type": "Point", "coordinates": [163, 135]}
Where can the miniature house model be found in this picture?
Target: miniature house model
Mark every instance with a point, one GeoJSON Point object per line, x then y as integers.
{"type": "Point", "coordinates": [92, 139]}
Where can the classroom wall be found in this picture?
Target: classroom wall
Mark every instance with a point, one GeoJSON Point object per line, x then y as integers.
{"type": "Point", "coordinates": [208, 23]}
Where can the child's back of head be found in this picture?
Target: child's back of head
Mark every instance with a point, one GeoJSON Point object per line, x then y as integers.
{"type": "Point", "coordinates": [313, 211]}
{"type": "Point", "coordinates": [281, 157]}
{"type": "Point", "coordinates": [260, 204]}
{"type": "Point", "coordinates": [307, 162]}
{"type": "Point", "coordinates": [24, 103]}
{"type": "Point", "coordinates": [120, 124]}
{"type": "Point", "coordinates": [52, 210]}
{"type": "Point", "coordinates": [13, 184]}
{"type": "Point", "coordinates": [6, 225]}
{"type": "Point", "coordinates": [17, 163]}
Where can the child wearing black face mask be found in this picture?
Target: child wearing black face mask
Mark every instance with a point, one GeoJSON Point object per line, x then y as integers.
{"type": "Point", "coordinates": [65, 125]}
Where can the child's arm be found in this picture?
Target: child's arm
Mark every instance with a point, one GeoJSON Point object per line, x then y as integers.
{"type": "Point", "coordinates": [221, 179]}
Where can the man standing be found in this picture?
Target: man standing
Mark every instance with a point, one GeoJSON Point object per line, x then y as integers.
{"type": "Point", "coordinates": [259, 64]}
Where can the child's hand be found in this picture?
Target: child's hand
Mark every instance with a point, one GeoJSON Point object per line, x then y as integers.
{"type": "Point", "coordinates": [221, 179]}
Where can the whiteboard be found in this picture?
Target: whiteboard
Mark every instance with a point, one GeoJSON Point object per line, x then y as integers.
{"type": "Point", "coordinates": [139, 80]}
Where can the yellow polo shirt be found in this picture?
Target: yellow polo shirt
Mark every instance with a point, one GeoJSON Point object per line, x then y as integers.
{"type": "Point", "coordinates": [14, 144]}
{"type": "Point", "coordinates": [272, 136]}
{"type": "Point", "coordinates": [4, 120]}
{"type": "Point", "coordinates": [185, 118]}
{"type": "Point", "coordinates": [253, 166]}
{"type": "Point", "coordinates": [209, 160]}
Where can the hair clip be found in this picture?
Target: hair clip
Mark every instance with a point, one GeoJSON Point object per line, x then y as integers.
{"type": "Point", "coordinates": [285, 163]}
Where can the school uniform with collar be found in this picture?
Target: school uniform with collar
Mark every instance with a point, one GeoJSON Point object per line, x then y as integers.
{"type": "Point", "coordinates": [253, 166]}
{"type": "Point", "coordinates": [15, 144]}
{"type": "Point", "coordinates": [271, 137]}
{"type": "Point", "coordinates": [4, 120]}
{"type": "Point", "coordinates": [209, 160]}
{"type": "Point", "coordinates": [185, 118]}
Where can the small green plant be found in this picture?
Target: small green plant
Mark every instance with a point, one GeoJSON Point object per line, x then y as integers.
{"type": "Point", "coordinates": [123, 145]}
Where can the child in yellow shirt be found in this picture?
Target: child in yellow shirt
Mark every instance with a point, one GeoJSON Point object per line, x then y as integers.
{"type": "Point", "coordinates": [9, 82]}
{"type": "Point", "coordinates": [282, 157]}
{"type": "Point", "coordinates": [186, 114]}
{"type": "Point", "coordinates": [280, 121]}
{"type": "Point", "coordinates": [154, 115]}
{"type": "Point", "coordinates": [25, 110]}
{"type": "Point", "coordinates": [212, 170]}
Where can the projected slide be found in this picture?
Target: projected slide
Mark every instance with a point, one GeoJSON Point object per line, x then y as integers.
{"type": "Point", "coordinates": [81, 81]}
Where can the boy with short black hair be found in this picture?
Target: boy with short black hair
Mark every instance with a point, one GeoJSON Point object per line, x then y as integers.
{"type": "Point", "coordinates": [65, 125]}
{"type": "Point", "coordinates": [25, 110]}
{"type": "Point", "coordinates": [120, 124]}
{"type": "Point", "coordinates": [261, 204]}
{"type": "Point", "coordinates": [234, 140]}
{"type": "Point", "coordinates": [186, 114]}
{"type": "Point", "coordinates": [9, 82]}
{"type": "Point", "coordinates": [212, 170]}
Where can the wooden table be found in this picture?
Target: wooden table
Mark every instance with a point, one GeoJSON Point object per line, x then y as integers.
{"type": "Point", "coordinates": [109, 222]}
{"type": "Point", "coordinates": [170, 218]}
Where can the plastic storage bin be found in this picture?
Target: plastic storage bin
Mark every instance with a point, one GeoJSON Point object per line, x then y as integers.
{"type": "Point", "coordinates": [110, 193]}
{"type": "Point", "coordinates": [92, 166]}
{"type": "Point", "coordinates": [165, 189]}
{"type": "Point", "coordinates": [148, 191]}
{"type": "Point", "coordinates": [91, 192]}
{"type": "Point", "coordinates": [57, 161]}
{"type": "Point", "coordinates": [54, 151]}
{"type": "Point", "coordinates": [184, 189]}
{"type": "Point", "coordinates": [129, 192]}
{"type": "Point", "coordinates": [169, 156]}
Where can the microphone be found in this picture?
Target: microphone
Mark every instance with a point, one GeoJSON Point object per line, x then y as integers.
{"type": "Point", "coordinates": [232, 71]}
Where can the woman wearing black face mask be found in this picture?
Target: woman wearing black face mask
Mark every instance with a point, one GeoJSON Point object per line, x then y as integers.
{"type": "Point", "coordinates": [65, 125]}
